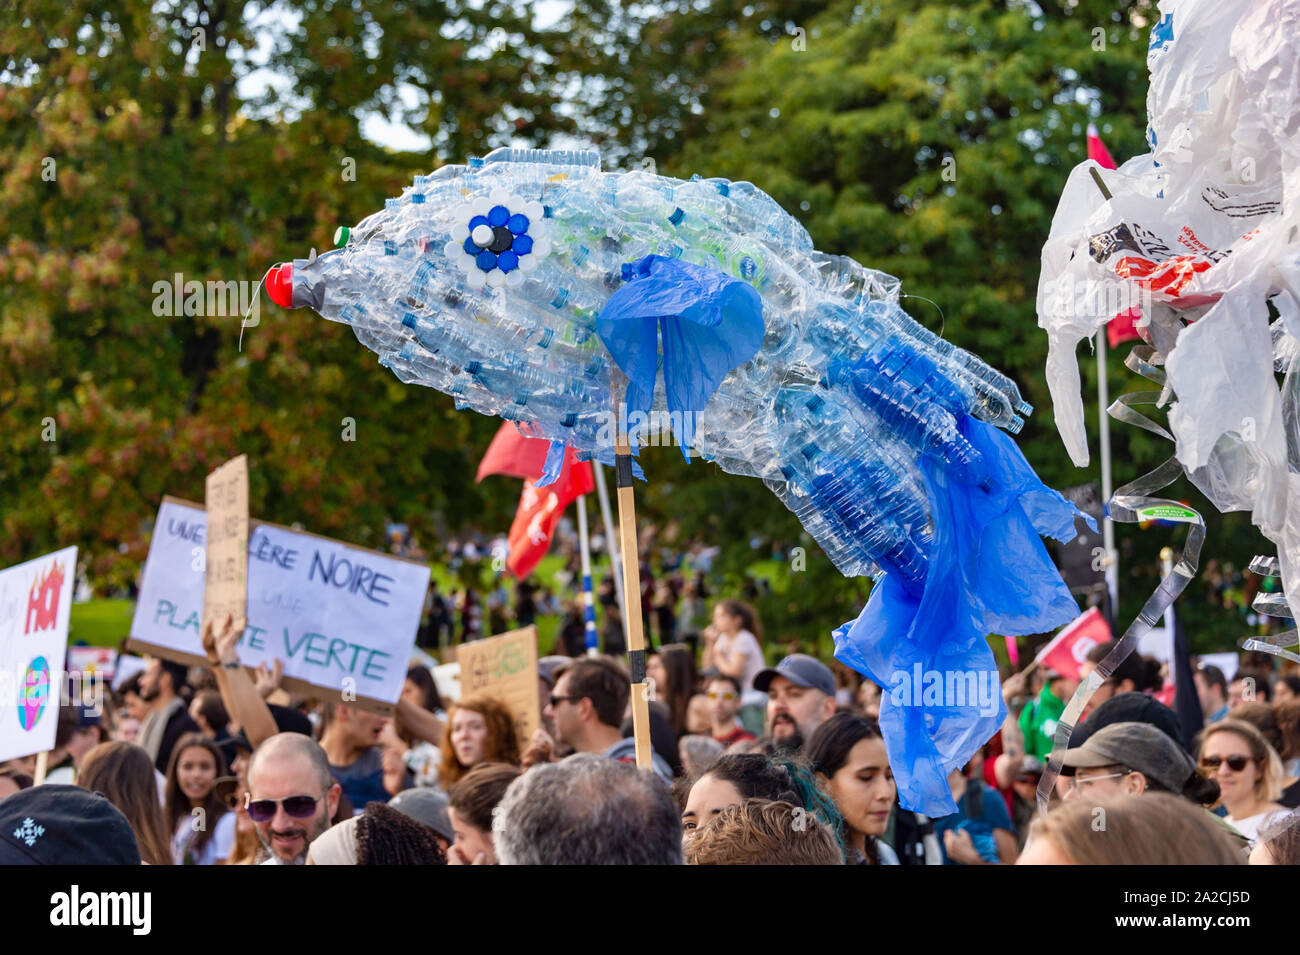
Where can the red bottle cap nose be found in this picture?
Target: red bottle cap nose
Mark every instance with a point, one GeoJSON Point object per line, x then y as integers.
{"type": "Point", "coordinates": [279, 285]}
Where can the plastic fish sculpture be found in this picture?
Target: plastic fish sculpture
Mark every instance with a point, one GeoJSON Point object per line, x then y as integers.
{"type": "Point", "coordinates": [534, 286]}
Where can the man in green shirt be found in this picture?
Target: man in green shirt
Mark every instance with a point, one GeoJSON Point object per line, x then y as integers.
{"type": "Point", "coordinates": [1039, 717]}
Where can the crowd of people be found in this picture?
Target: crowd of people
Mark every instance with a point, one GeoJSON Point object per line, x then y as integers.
{"type": "Point", "coordinates": [750, 764]}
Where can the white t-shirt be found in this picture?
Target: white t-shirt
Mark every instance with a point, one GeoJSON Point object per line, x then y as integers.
{"type": "Point", "coordinates": [1250, 825]}
{"type": "Point", "coordinates": [218, 847]}
{"type": "Point", "coordinates": [747, 643]}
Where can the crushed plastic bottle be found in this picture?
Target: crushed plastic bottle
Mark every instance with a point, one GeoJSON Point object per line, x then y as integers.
{"type": "Point", "coordinates": [580, 303]}
{"type": "Point", "coordinates": [485, 281]}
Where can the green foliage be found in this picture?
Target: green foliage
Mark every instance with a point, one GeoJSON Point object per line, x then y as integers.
{"type": "Point", "coordinates": [157, 171]}
{"type": "Point", "coordinates": [932, 141]}
{"type": "Point", "coordinates": [926, 139]}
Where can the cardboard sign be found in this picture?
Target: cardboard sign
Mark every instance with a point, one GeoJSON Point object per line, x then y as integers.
{"type": "Point", "coordinates": [504, 667]}
{"type": "Point", "coordinates": [341, 619]}
{"type": "Point", "coordinates": [35, 603]}
{"type": "Point", "coordinates": [225, 586]}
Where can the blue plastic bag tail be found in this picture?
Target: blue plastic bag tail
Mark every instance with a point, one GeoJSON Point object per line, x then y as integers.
{"type": "Point", "coordinates": [942, 698]}
{"type": "Point", "coordinates": [710, 323]}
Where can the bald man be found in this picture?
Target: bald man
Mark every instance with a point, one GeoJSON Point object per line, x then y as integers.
{"type": "Point", "coordinates": [292, 796]}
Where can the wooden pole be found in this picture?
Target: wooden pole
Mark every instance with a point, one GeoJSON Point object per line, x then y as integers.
{"type": "Point", "coordinates": [42, 766]}
{"type": "Point", "coordinates": [632, 629]}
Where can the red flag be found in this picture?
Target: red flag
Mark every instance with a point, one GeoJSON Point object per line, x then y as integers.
{"type": "Point", "coordinates": [1068, 650]}
{"type": "Point", "coordinates": [1123, 327]}
{"type": "Point", "coordinates": [539, 511]}
{"type": "Point", "coordinates": [1097, 150]}
{"type": "Point", "coordinates": [513, 454]}
{"type": "Point", "coordinates": [516, 455]}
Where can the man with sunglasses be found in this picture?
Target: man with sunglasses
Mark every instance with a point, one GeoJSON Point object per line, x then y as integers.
{"type": "Point", "coordinates": [587, 707]}
{"type": "Point", "coordinates": [292, 796]}
{"type": "Point", "coordinates": [724, 702]}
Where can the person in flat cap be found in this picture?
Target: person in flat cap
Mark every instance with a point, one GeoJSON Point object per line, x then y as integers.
{"type": "Point", "coordinates": [64, 825]}
{"type": "Point", "coordinates": [428, 806]}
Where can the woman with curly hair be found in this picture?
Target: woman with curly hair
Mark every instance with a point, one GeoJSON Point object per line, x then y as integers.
{"type": "Point", "coordinates": [379, 836]}
{"type": "Point", "coordinates": [480, 730]}
{"type": "Point", "coordinates": [740, 776]}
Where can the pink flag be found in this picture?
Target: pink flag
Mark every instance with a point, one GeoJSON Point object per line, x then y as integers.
{"type": "Point", "coordinates": [1068, 650]}
{"type": "Point", "coordinates": [1097, 150]}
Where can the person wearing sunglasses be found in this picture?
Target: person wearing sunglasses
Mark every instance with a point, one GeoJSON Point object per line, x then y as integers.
{"type": "Point", "coordinates": [292, 796]}
{"type": "Point", "coordinates": [1248, 770]}
{"type": "Point", "coordinates": [587, 707]}
{"type": "Point", "coordinates": [724, 703]}
{"type": "Point", "coordinates": [202, 826]}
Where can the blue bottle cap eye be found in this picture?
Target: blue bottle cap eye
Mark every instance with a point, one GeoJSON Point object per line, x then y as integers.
{"type": "Point", "coordinates": [478, 221]}
{"type": "Point", "coordinates": [522, 245]}
{"type": "Point", "coordinates": [518, 223]}
{"type": "Point", "coordinates": [508, 261]}
{"type": "Point", "coordinates": [470, 246]}
{"type": "Point", "coordinates": [486, 261]}
{"type": "Point", "coordinates": [498, 215]}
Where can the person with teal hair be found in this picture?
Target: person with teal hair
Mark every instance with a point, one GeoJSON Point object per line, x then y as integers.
{"type": "Point", "coordinates": [740, 776]}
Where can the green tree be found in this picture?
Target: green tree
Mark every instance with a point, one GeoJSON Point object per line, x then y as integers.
{"type": "Point", "coordinates": [130, 158]}
{"type": "Point", "coordinates": [932, 140]}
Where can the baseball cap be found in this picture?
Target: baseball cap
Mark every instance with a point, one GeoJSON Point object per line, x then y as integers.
{"type": "Point", "coordinates": [426, 806]}
{"type": "Point", "coordinates": [547, 666]}
{"type": "Point", "coordinates": [88, 716]}
{"type": "Point", "coordinates": [1130, 708]}
{"type": "Point", "coordinates": [801, 670]}
{"type": "Point", "coordinates": [1138, 746]}
{"type": "Point", "coordinates": [1030, 766]}
{"type": "Point", "coordinates": [64, 825]}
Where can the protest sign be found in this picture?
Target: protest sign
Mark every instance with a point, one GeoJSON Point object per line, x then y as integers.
{"type": "Point", "coordinates": [35, 602]}
{"type": "Point", "coordinates": [97, 662]}
{"type": "Point", "coordinates": [127, 666]}
{"type": "Point", "coordinates": [225, 584]}
{"type": "Point", "coordinates": [504, 667]}
{"type": "Point", "coordinates": [1226, 662]}
{"type": "Point", "coordinates": [341, 619]}
{"type": "Point", "coordinates": [446, 676]}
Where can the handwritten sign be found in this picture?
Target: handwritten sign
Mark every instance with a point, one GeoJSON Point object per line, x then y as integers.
{"type": "Point", "coordinates": [341, 619]}
{"type": "Point", "coordinates": [225, 585]}
{"type": "Point", "coordinates": [35, 603]}
{"type": "Point", "coordinates": [504, 667]}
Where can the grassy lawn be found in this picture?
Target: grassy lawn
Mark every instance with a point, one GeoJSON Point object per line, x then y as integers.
{"type": "Point", "coordinates": [100, 623]}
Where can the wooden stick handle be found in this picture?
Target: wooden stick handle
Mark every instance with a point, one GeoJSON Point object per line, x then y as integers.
{"type": "Point", "coordinates": [632, 624]}
{"type": "Point", "coordinates": [42, 767]}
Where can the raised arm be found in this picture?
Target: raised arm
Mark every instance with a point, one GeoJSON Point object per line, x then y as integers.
{"type": "Point", "coordinates": [238, 691]}
{"type": "Point", "coordinates": [419, 722]}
